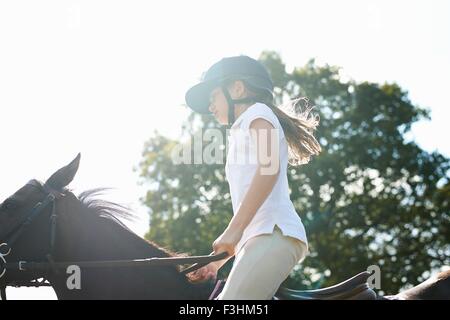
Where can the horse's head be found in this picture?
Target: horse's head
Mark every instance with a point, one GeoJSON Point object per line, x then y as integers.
{"type": "Point", "coordinates": [25, 221]}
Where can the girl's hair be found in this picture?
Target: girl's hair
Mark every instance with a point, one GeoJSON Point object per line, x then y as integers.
{"type": "Point", "coordinates": [298, 126]}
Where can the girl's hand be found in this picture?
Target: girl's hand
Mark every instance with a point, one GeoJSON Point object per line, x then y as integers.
{"type": "Point", "coordinates": [205, 273]}
{"type": "Point", "coordinates": [227, 241]}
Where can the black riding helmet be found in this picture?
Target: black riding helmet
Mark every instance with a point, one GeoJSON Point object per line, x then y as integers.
{"type": "Point", "coordinates": [244, 68]}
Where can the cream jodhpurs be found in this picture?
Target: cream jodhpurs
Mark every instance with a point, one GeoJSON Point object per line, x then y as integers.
{"type": "Point", "coordinates": [262, 264]}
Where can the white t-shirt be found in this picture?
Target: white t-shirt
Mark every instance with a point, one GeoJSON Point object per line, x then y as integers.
{"type": "Point", "coordinates": [241, 167]}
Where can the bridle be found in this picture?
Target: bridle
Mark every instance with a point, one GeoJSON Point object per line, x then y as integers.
{"type": "Point", "coordinates": [51, 266]}
{"type": "Point", "coordinates": [16, 233]}
{"type": "Point", "coordinates": [36, 211]}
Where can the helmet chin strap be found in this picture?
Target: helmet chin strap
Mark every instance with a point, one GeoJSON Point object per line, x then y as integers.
{"type": "Point", "coordinates": [232, 103]}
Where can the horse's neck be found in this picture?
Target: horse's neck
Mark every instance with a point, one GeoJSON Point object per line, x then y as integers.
{"type": "Point", "coordinates": [107, 240]}
{"type": "Point", "coordinates": [85, 236]}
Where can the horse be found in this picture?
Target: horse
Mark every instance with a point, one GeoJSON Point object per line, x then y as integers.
{"type": "Point", "coordinates": [45, 223]}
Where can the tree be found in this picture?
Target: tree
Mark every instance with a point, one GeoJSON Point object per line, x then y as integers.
{"type": "Point", "coordinates": [370, 198]}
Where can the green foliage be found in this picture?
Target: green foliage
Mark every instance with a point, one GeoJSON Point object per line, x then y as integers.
{"type": "Point", "coordinates": [369, 198]}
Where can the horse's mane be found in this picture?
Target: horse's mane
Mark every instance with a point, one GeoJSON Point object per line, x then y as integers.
{"type": "Point", "coordinates": [103, 208]}
{"type": "Point", "coordinates": [107, 209]}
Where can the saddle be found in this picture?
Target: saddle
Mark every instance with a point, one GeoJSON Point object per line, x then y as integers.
{"type": "Point", "coordinates": [355, 288]}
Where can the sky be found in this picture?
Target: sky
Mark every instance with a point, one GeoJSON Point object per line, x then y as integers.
{"type": "Point", "coordinates": [100, 77]}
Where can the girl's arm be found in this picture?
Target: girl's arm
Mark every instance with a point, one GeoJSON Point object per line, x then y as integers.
{"type": "Point", "coordinates": [261, 186]}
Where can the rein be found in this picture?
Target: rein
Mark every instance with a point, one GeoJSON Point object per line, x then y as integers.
{"type": "Point", "coordinates": [169, 261]}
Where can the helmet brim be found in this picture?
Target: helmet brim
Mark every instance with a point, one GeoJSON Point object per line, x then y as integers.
{"type": "Point", "coordinates": [197, 97]}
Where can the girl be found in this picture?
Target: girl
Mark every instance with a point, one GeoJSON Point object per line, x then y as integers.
{"type": "Point", "coordinates": [265, 235]}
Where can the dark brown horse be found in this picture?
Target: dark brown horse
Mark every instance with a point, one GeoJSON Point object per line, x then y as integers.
{"type": "Point", "coordinates": [85, 228]}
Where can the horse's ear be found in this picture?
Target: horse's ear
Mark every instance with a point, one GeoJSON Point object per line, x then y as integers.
{"type": "Point", "coordinates": [65, 175]}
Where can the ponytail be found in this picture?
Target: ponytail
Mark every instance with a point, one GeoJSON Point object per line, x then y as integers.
{"type": "Point", "coordinates": [298, 127]}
